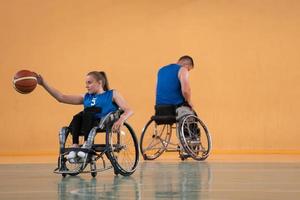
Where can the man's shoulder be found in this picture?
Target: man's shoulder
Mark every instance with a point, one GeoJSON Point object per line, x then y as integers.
{"type": "Point", "coordinates": [173, 65]}
{"type": "Point", "coordinates": [183, 70]}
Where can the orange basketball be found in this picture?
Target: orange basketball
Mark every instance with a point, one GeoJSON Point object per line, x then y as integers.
{"type": "Point", "coordinates": [25, 81]}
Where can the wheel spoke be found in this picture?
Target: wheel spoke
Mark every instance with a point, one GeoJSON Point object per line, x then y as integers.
{"type": "Point", "coordinates": [126, 158]}
{"type": "Point", "coordinates": [196, 144]}
{"type": "Point", "coordinates": [154, 139]}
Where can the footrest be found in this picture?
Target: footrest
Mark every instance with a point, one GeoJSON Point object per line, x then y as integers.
{"type": "Point", "coordinates": [99, 147]}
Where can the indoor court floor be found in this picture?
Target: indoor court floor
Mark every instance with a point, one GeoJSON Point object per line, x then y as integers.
{"type": "Point", "coordinates": [239, 177]}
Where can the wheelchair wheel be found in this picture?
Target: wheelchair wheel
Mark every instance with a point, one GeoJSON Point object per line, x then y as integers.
{"type": "Point", "coordinates": [123, 154]}
{"type": "Point", "coordinates": [93, 169]}
{"type": "Point", "coordinates": [72, 167]}
{"type": "Point", "coordinates": [195, 137]}
{"type": "Point", "coordinates": [154, 139]}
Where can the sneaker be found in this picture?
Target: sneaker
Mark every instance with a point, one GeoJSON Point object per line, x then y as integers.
{"type": "Point", "coordinates": [82, 154]}
{"type": "Point", "coordinates": [71, 155]}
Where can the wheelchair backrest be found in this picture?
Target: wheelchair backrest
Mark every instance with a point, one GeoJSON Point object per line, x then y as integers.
{"type": "Point", "coordinates": [165, 110]}
{"type": "Point", "coordinates": [165, 114]}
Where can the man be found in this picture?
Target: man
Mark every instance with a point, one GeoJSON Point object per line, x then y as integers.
{"type": "Point", "coordinates": [173, 88]}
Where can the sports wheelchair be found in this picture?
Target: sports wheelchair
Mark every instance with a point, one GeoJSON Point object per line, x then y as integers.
{"type": "Point", "coordinates": [120, 148]}
{"type": "Point", "coordinates": [194, 137]}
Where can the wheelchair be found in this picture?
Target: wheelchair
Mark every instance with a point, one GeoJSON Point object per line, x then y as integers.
{"type": "Point", "coordinates": [120, 148]}
{"type": "Point", "coordinates": [193, 135]}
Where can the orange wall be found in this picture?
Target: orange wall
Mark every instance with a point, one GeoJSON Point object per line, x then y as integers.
{"type": "Point", "coordinates": [246, 82]}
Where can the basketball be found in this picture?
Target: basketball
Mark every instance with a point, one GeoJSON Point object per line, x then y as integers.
{"type": "Point", "coordinates": [25, 81]}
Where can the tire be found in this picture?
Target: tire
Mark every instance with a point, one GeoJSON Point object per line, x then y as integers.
{"type": "Point", "coordinates": [61, 165]}
{"type": "Point", "coordinates": [93, 167]}
{"type": "Point", "coordinates": [154, 140]}
{"type": "Point", "coordinates": [195, 137]}
{"type": "Point", "coordinates": [124, 153]}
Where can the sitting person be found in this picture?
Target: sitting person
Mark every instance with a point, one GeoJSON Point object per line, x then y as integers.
{"type": "Point", "coordinates": [98, 102]}
{"type": "Point", "coordinates": [173, 87]}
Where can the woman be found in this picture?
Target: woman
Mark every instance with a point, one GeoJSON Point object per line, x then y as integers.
{"type": "Point", "coordinates": [99, 98]}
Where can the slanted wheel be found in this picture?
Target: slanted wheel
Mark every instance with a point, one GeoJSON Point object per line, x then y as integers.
{"type": "Point", "coordinates": [154, 139]}
{"type": "Point", "coordinates": [124, 154]}
{"type": "Point", "coordinates": [93, 169]}
{"type": "Point", "coordinates": [74, 166]}
{"type": "Point", "coordinates": [195, 137]}
{"type": "Point", "coordinates": [61, 165]}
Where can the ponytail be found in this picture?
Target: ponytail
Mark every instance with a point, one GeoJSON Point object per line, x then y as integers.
{"type": "Point", "coordinates": [104, 81]}
{"type": "Point", "coordinates": [101, 76]}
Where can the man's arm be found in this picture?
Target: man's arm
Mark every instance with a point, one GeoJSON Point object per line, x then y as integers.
{"type": "Point", "coordinates": [185, 85]}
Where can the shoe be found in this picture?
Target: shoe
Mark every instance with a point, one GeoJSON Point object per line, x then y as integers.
{"type": "Point", "coordinates": [71, 155]}
{"type": "Point", "coordinates": [82, 154]}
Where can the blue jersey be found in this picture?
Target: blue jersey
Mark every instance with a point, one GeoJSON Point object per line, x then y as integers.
{"type": "Point", "coordinates": [168, 88]}
{"type": "Point", "coordinates": [103, 101]}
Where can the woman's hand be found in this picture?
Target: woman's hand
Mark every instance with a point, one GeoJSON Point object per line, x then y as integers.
{"type": "Point", "coordinates": [40, 79]}
{"type": "Point", "coordinates": [117, 125]}
{"type": "Point", "coordinates": [120, 101]}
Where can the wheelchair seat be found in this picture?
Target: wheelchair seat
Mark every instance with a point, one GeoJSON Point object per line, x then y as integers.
{"type": "Point", "coordinates": [165, 114]}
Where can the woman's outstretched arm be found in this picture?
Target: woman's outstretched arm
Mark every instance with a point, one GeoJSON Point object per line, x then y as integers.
{"type": "Point", "coordinates": [60, 97]}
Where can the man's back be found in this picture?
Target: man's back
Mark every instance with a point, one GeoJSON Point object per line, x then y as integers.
{"type": "Point", "coordinates": [168, 88]}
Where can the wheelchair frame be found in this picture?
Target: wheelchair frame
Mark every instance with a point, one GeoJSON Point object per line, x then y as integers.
{"type": "Point", "coordinates": [94, 152]}
{"type": "Point", "coordinates": [161, 139]}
